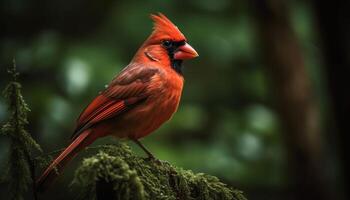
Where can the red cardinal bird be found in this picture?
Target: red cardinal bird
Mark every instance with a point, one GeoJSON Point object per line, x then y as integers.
{"type": "Point", "coordinates": [139, 100]}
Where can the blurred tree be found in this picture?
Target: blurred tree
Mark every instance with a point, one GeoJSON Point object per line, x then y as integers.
{"type": "Point", "coordinates": [335, 31]}
{"type": "Point", "coordinates": [20, 172]}
{"type": "Point", "coordinates": [294, 99]}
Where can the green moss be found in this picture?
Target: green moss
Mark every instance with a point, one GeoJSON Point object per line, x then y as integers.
{"type": "Point", "coordinates": [116, 171]}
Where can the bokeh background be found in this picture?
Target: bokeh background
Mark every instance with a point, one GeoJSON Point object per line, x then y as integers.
{"type": "Point", "coordinates": [260, 106]}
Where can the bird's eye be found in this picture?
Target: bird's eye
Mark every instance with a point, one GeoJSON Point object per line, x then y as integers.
{"type": "Point", "coordinates": [167, 43]}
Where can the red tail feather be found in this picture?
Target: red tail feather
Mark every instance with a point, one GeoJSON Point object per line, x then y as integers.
{"type": "Point", "coordinates": [83, 140]}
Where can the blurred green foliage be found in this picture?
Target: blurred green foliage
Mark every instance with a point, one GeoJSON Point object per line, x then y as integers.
{"type": "Point", "coordinates": [226, 124]}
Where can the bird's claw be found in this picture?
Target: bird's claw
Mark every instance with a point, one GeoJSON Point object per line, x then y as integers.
{"type": "Point", "coordinates": [153, 159]}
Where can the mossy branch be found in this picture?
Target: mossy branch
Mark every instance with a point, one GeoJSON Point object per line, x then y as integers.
{"type": "Point", "coordinates": [116, 173]}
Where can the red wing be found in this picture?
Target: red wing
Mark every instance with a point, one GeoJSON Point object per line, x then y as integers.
{"type": "Point", "coordinates": [99, 103]}
{"type": "Point", "coordinates": [126, 90]}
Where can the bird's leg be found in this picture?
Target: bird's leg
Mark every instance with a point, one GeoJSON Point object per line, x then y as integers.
{"type": "Point", "coordinates": [150, 155]}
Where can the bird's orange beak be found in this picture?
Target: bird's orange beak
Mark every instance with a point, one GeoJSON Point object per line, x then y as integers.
{"type": "Point", "coordinates": [185, 52]}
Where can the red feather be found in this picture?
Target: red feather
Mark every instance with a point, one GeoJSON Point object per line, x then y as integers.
{"type": "Point", "coordinates": [83, 140]}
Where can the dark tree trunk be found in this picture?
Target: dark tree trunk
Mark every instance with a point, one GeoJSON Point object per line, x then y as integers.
{"type": "Point", "coordinates": [334, 24]}
{"type": "Point", "coordinates": [294, 98]}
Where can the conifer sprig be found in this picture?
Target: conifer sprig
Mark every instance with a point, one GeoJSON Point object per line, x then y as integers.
{"type": "Point", "coordinates": [20, 172]}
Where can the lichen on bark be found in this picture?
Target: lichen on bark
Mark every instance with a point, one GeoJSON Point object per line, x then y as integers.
{"type": "Point", "coordinates": [116, 173]}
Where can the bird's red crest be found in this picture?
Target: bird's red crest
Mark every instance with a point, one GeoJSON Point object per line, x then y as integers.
{"type": "Point", "coordinates": [164, 29]}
